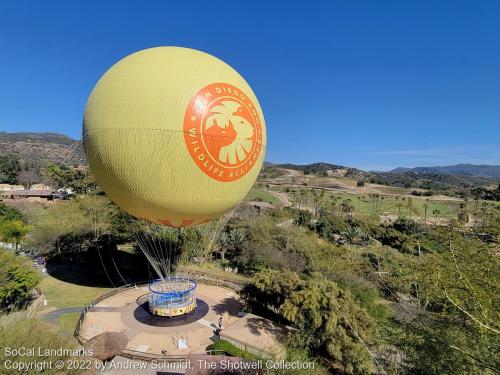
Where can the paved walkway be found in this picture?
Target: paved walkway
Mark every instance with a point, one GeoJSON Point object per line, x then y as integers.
{"type": "Point", "coordinates": [124, 313]}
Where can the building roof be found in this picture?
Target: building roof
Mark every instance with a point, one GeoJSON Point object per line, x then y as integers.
{"type": "Point", "coordinates": [30, 193]}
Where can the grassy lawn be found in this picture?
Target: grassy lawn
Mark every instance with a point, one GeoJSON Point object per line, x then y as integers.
{"type": "Point", "coordinates": [262, 195]}
{"type": "Point", "coordinates": [62, 294]}
{"type": "Point", "coordinates": [365, 204]}
{"type": "Point", "coordinates": [212, 270]}
{"type": "Point", "coordinates": [67, 322]}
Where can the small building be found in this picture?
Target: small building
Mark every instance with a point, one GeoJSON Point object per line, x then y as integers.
{"type": "Point", "coordinates": [32, 196]}
{"type": "Point", "coordinates": [41, 187]}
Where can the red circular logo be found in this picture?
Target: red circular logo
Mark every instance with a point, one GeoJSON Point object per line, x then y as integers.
{"type": "Point", "coordinates": [223, 132]}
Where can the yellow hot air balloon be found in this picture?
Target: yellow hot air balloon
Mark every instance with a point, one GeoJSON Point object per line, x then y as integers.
{"type": "Point", "coordinates": [174, 135]}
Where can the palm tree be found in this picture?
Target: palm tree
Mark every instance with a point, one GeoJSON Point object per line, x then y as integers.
{"type": "Point", "coordinates": [223, 242]}
{"type": "Point", "coordinates": [303, 197]}
{"type": "Point", "coordinates": [334, 199]}
{"type": "Point", "coordinates": [321, 198]}
{"type": "Point", "coordinates": [476, 206]}
{"type": "Point", "coordinates": [426, 206]}
{"type": "Point", "coordinates": [410, 207]}
{"type": "Point", "coordinates": [295, 198]}
{"type": "Point", "coordinates": [483, 213]}
{"type": "Point", "coordinates": [316, 200]}
{"type": "Point", "coordinates": [400, 206]}
{"type": "Point", "coordinates": [347, 207]}
{"type": "Point", "coordinates": [231, 241]}
{"type": "Point", "coordinates": [436, 212]}
{"type": "Point", "coordinates": [376, 200]}
{"type": "Point", "coordinates": [236, 239]}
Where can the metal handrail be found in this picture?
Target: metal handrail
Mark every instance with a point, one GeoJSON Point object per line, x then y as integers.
{"type": "Point", "coordinates": [245, 345]}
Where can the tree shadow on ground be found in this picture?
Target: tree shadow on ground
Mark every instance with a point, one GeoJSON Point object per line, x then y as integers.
{"type": "Point", "coordinates": [78, 275]}
{"type": "Point", "coordinates": [257, 324]}
{"type": "Point", "coordinates": [229, 305]}
{"type": "Point", "coordinates": [104, 268]}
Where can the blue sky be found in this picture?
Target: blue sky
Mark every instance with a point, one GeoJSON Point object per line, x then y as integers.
{"type": "Point", "coordinates": [371, 84]}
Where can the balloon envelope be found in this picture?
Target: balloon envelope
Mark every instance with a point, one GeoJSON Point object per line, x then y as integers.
{"type": "Point", "coordinates": [174, 135]}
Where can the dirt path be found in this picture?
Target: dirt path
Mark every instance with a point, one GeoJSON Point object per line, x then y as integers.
{"type": "Point", "coordinates": [282, 197]}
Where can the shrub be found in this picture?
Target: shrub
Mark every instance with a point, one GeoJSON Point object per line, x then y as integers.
{"type": "Point", "coordinates": [17, 280]}
{"type": "Point", "coordinates": [407, 226]}
{"type": "Point", "coordinates": [303, 217]}
{"type": "Point", "coordinates": [232, 350]}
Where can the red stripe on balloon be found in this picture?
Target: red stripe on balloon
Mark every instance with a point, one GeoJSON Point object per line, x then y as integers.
{"type": "Point", "coordinates": [168, 223]}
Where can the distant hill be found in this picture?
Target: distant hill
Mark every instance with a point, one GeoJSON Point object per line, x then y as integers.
{"type": "Point", "coordinates": [438, 182]}
{"type": "Point", "coordinates": [324, 169]}
{"type": "Point", "coordinates": [57, 148]}
{"type": "Point", "coordinates": [491, 171]}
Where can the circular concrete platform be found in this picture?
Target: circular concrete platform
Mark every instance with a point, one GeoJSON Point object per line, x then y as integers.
{"type": "Point", "coordinates": [126, 312]}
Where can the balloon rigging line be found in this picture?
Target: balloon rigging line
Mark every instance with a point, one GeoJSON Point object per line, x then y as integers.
{"type": "Point", "coordinates": [104, 267]}
{"type": "Point", "coordinates": [117, 270]}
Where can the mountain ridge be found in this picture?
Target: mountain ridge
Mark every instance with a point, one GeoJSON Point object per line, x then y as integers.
{"type": "Point", "coordinates": [60, 148]}
{"type": "Point", "coordinates": [465, 169]}
{"type": "Point", "coordinates": [33, 147]}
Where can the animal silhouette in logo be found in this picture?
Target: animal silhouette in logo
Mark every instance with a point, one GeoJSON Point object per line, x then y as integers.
{"type": "Point", "coordinates": [229, 134]}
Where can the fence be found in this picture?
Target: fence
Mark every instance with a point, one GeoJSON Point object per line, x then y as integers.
{"type": "Point", "coordinates": [246, 347]}
{"type": "Point", "coordinates": [102, 297]}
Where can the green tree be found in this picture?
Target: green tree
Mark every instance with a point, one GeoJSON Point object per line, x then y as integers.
{"type": "Point", "coordinates": [325, 316]}
{"type": "Point", "coordinates": [9, 168]}
{"type": "Point", "coordinates": [80, 180]}
{"type": "Point", "coordinates": [457, 329]}
{"type": "Point", "coordinates": [13, 231]}
{"type": "Point", "coordinates": [17, 279]}
{"type": "Point", "coordinates": [90, 216]}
